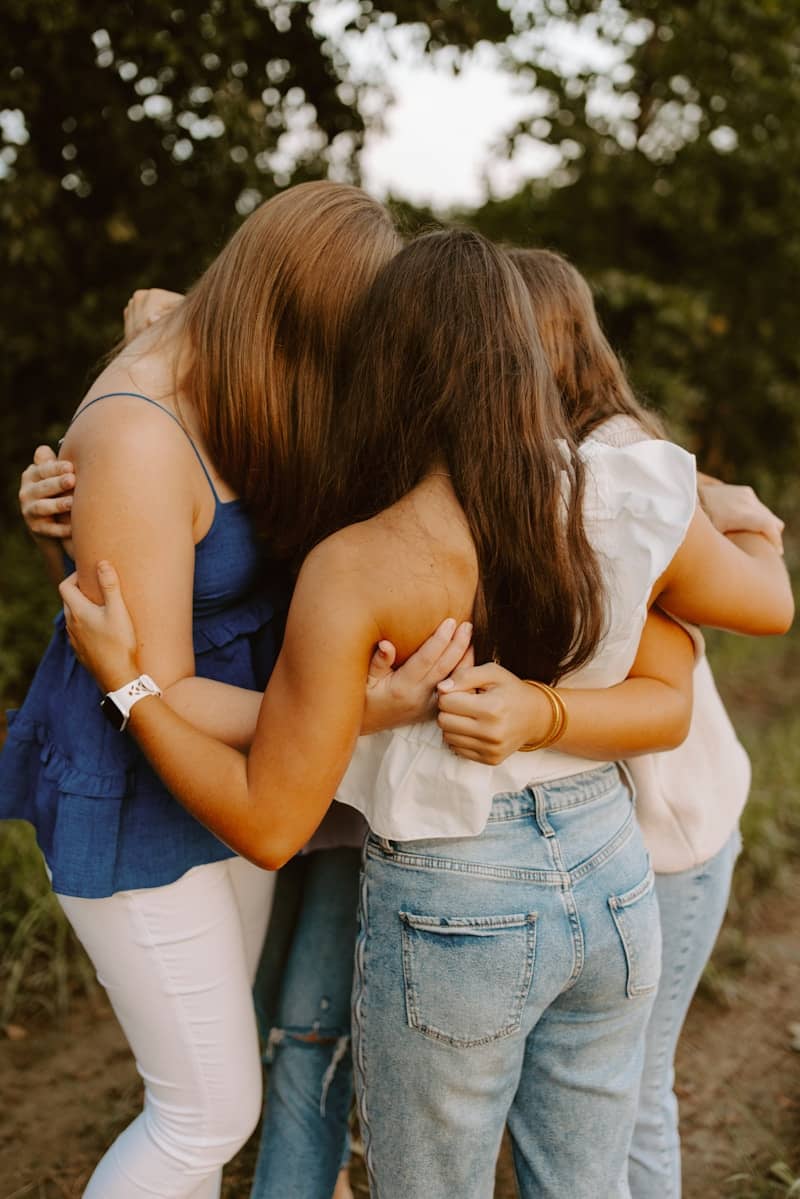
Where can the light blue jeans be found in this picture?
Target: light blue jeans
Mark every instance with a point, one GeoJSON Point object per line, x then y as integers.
{"type": "Point", "coordinates": [302, 997]}
{"type": "Point", "coordinates": [692, 906]}
{"type": "Point", "coordinates": [507, 977]}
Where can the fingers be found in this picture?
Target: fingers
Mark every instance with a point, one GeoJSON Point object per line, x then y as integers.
{"type": "Point", "coordinates": [471, 678]}
{"type": "Point", "coordinates": [53, 483]}
{"type": "Point", "coordinates": [145, 307]}
{"type": "Point", "coordinates": [108, 581]}
{"type": "Point", "coordinates": [70, 595]}
{"type": "Point", "coordinates": [45, 509]}
{"type": "Point", "coordinates": [47, 478]}
{"type": "Point", "coordinates": [468, 660]}
{"type": "Point", "coordinates": [476, 751]}
{"type": "Point", "coordinates": [51, 528]}
{"type": "Point", "coordinates": [48, 468]}
{"type": "Point", "coordinates": [737, 509]}
{"type": "Point", "coordinates": [44, 494]}
{"type": "Point", "coordinates": [381, 662]}
{"type": "Point", "coordinates": [454, 653]}
{"type": "Point", "coordinates": [423, 661]}
{"type": "Point", "coordinates": [456, 724]}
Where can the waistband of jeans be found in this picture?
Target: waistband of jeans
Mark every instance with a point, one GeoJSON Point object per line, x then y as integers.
{"type": "Point", "coordinates": [559, 794]}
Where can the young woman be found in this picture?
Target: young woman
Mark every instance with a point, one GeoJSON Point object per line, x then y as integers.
{"type": "Point", "coordinates": [509, 948]}
{"type": "Point", "coordinates": [198, 418]}
{"type": "Point", "coordinates": [688, 800]}
{"type": "Point", "coordinates": [304, 979]}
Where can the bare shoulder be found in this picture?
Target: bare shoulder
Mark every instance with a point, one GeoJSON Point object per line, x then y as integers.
{"type": "Point", "coordinates": [114, 421]}
{"type": "Point", "coordinates": [341, 557]}
{"type": "Point", "coordinates": [409, 567]}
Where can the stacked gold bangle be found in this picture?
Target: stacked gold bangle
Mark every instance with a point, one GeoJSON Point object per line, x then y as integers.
{"type": "Point", "coordinates": [560, 719]}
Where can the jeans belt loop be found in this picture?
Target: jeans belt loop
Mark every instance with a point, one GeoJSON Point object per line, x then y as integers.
{"type": "Point", "coordinates": [545, 827]}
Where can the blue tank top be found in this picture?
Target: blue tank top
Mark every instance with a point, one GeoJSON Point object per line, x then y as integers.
{"type": "Point", "coordinates": [103, 819]}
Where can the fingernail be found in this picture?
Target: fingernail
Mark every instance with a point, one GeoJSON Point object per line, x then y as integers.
{"type": "Point", "coordinates": [68, 480]}
{"type": "Point", "coordinates": [449, 626]}
{"type": "Point", "coordinates": [467, 627]}
{"type": "Point", "coordinates": [445, 685]}
{"type": "Point", "coordinates": [384, 648]}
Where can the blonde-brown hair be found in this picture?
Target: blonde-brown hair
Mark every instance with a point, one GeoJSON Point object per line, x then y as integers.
{"type": "Point", "coordinates": [445, 370]}
{"type": "Point", "coordinates": [589, 375]}
{"type": "Point", "coordinates": [264, 324]}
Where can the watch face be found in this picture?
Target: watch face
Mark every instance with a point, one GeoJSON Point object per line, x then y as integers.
{"type": "Point", "coordinates": [112, 713]}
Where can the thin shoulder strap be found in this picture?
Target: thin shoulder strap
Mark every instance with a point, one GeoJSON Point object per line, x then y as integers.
{"type": "Point", "coordinates": [135, 395]}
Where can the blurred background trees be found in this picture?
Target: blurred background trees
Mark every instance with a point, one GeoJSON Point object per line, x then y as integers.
{"type": "Point", "coordinates": [679, 194]}
{"type": "Point", "coordinates": [133, 137]}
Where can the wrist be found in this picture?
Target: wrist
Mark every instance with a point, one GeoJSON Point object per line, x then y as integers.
{"type": "Point", "coordinates": [119, 674]}
{"type": "Point", "coordinates": [552, 726]}
{"type": "Point", "coordinates": [117, 705]}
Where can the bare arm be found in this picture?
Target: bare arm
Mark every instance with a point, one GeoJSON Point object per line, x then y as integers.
{"type": "Point", "coordinates": [737, 582]}
{"type": "Point", "coordinates": [265, 806]}
{"type": "Point", "coordinates": [135, 500]}
{"type": "Point", "coordinates": [732, 508]}
{"type": "Point", "coordinates": [393, 696]}
{"type": "Point", "coordinates": [488, 713]}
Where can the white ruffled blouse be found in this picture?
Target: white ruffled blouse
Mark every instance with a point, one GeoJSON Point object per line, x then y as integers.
{"type": "Point", "coordinates": [639, 502]}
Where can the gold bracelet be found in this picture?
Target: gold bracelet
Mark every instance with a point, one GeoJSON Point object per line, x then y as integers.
{"type": "Point", "coordinates": [560, 719]}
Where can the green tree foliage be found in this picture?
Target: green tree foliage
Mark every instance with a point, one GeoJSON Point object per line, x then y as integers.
{"type": "Point", "coordinates": [679, 194]}
{"type": "Point", "coordinates": [134, 136]}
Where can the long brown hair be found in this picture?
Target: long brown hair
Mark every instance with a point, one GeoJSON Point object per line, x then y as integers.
{"type": "Point", "coordinates": [445, 366]}
{"type": "Point", "coordinates": [264, 323]}
{"type": "Point", "coordinates": [589, 375]}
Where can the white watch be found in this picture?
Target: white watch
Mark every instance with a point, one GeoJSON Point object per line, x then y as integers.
{"type": "Point", "coordinates": [116, 705]}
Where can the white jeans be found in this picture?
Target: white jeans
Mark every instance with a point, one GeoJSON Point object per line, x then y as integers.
{"type": "Point", "coordinates": [177, 963]}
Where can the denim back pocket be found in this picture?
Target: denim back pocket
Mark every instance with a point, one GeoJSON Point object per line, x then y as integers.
{"type": "Point", "coordinates": [635, 913]}
{"type": "Point", "coordinates": [467, 977]}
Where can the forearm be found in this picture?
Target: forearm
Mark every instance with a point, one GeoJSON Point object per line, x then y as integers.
{"type": "Point", "coordinates": [755, 597]}
{"type": "Point", "coordinates": [637, 716]}
{"type": "Point", "coordinates": [228, 713]}
{"type": "Point", "coordinates": [210, 779]}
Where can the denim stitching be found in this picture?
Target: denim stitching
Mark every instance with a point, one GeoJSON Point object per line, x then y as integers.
{"type": "Point", "coordinates": [549, 878]}
{"type": "Point", "coordinates": [571, 911]}
{"type": "Point", "coordinates": [612, 847]}
{"type": "Point", "coordinates": [437, 865]}
{"type": "Point", "coordinates": [618, 905]}
{"type": "Point", "coordinates": [359, 1066]}
{"type": "Point", "coordinates": [512, 1025]}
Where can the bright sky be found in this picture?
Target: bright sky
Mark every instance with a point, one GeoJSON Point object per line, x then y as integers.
{"type": "Point", "coordinates": [437, 144]}
{"type": "Point", "coordinates": [439, 135]}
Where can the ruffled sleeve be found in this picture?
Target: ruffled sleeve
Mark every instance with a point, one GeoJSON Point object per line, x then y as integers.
{"type": "Point", "coordinates": [640, 500]}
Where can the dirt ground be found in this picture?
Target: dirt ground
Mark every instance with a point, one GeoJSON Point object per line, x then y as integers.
{"type": "Point", "coordinates": [68, 1089]}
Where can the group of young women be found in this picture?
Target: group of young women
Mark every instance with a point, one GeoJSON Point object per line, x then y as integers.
{"type": "Point", "coordinates": [438, 437]}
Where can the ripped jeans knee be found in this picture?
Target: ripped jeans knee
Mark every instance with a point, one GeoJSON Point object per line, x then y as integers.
{"type": "Point", "coordinates": [332, 1045]}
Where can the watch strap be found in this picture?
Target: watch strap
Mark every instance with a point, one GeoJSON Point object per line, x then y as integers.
{"type": "Point", "coordinates": [117, 705]}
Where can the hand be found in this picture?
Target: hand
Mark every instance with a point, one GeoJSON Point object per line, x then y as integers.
{"type": "Point", "coordinates": [735, 509]}
{"type": "Point", "coordinates": [487, 713]}
{"type": "Point", "coordinates": [45, 496]}
{"type": "Point", "coordinates": [408, 694]}
{"type": "Point", "coordinates": [145, 307]}
{"type": "Point", "coordinates": [102, 635]}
